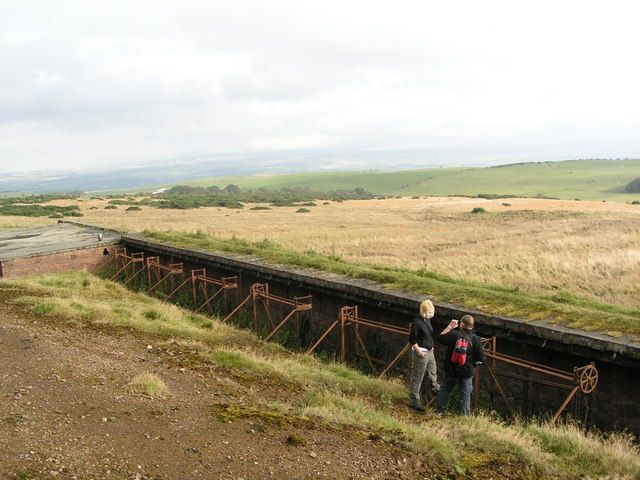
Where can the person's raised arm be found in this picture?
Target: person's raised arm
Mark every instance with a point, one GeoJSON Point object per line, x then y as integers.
{"type": "Point", "coordinates": [444, 336]}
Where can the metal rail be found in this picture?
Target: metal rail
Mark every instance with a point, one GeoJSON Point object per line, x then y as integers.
{"type": "Point", "coordinates": [583, 379]}
{"type": "Point", "coordinates": [349, 317]}
{"type": "Point", "coordinates": [200, 280]}
{"type": "Point", "coordinates": [259, 294]}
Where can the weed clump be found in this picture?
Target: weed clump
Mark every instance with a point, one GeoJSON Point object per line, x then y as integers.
{"type": "Point", "coordinates": [478, 210]}
{"type": "Point", "coordinates": [296, 440]}
{"type": "Point", "coordinates": [148, 384]}
{"type": "Point", "coordinates": [152, 314]}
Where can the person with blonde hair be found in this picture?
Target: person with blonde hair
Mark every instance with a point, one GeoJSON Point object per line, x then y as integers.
{"type": "Point", "coordinates": [423, 359]}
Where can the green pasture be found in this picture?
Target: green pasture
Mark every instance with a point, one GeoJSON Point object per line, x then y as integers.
{"type": "Point", "coordinates": [572, 179]}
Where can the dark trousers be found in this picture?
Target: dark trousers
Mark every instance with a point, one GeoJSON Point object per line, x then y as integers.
{"type": "Point", "coordinates": [465, 387]}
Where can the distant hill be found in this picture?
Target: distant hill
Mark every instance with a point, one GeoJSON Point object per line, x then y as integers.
{"type": "Point", "coordinates": [571, 179]}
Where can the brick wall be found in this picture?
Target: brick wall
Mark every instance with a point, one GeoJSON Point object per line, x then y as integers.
{"type": "Point", "coordinates": [82, 259]}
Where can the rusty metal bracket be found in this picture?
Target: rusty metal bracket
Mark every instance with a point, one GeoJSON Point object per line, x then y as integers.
{"type": "Point", "coordinates": [199, 279]}
{"type": "Point", "coordinates": [259, 294]}
{"type": "Point", "coordinates": [121, 257]}
{"type": "Point", "coordinates": [583, 379]}
{"type": "Point", "coordinates": [349, 317]}
{"type": "Point", "coordinates": [170, 271]}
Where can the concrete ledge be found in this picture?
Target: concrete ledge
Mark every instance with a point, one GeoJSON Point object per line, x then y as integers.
{"type": "Point", "coordinates": [58, 238]}
{"type": "Point", "coordinates": [593, 346]}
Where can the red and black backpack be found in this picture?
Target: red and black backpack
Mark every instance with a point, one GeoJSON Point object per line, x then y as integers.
{"type": "Point", "coordinates": [460, 351]}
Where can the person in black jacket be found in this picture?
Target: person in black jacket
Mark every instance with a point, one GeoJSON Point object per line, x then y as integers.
{"type": "Point", "coordinates": [422, 357]}
{"type": "Point", "coordinates": [464, 353]}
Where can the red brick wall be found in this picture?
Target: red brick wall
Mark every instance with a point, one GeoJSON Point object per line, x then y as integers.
{"type": "Point", "coordinates": [83, 259]}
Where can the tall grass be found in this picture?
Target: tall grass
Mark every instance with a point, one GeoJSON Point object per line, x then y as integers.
{"type": "Point", "coordinates": [326, 392]}
{"type": "Point", "coordinates": [82, 297]}
{"type": "Point", "coordinates": [589, 250]}
{"type": "Point", "coordinates": [564, 309]}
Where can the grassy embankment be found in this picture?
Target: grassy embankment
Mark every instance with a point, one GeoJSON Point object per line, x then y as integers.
{"type": "Point", "coordinates": [581, 179]}
{"type": "Point", "coordinates": [561, 308]}
{"type": "Point", "coordinates": [328, 394]}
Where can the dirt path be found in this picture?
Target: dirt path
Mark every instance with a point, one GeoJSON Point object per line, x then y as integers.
{"type": "Point", "coordinates": [65, 413]}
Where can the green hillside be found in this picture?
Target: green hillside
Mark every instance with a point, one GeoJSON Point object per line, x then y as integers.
{"type": "Point", "coordinates": [583, 179]}
{"type": "Point", "coordinates": [258, 387]}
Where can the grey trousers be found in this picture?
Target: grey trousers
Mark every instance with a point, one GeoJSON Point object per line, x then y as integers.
{"type": "Point", "coordinates": [418, 368]}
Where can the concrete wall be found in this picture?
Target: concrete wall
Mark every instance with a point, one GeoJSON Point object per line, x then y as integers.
{"type": "Point", "coordinates": [83, 259]}
{"type": "Point", "coordinates": [615, 404]}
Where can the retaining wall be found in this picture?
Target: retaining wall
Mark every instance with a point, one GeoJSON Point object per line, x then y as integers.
{"type": "Point", "coordinates": [614, 405]}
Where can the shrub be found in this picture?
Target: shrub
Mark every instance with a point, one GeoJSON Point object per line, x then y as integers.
{"type": "Point", "coordinates": [493, 196]}
{"type": "Point", "coordinates": [133, 208]}
{"type": "Point", "coordinates": [32, 210]}
{"type": "Point", "coordinates": [633, 186]}
{"type": "Point", "coordinates": [478, 210]}
{"type": "Point", "coordinates": [506, 204]}
{"type": "Point", "coordinates": [232, 189]}
{"type": "Point", "coordinates": [303, 210]}
{"type": "Point", "coordinates": [260, 207]}
{"type": "Point", "coordinates": [635, 202]}
{"type": "Point", "coordinates": [110, 207]}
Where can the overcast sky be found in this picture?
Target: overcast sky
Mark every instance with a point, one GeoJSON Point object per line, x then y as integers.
{"type": "Point", "coordinates": [90, 83]}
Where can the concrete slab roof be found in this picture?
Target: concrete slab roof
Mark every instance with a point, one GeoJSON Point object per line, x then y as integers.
{"type": "Point", "coordinates": [60, 237]}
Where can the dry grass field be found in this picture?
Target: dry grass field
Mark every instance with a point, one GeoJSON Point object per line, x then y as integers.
{"type": "Point", "coordinates": [590, 249]}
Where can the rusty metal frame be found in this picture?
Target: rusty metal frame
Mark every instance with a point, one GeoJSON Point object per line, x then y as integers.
{"type": "Point", "coordinates": [349, 316]}
{"type": "Point", "coordinates": [199, 279]}
{"type": "Point", "coordinates": [583, 379]}
{"type": "Point", "coordinates": [259, 293]}
{"type": "Point", "coordinates": [154, 265]}
{"type": "Point", "coordinates": [121, 256]}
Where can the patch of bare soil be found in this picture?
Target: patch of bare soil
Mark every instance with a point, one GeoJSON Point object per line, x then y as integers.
{"type": "Point", "coordinates": [65, 412]}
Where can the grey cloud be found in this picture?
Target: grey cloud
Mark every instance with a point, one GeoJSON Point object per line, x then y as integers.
{"type": "Point", "coordinates": [92, 83]}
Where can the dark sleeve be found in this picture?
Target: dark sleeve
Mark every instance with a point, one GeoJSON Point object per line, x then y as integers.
{"type": "Point", "coordinates": [413, 333]}
{"type": "Point", "coordinates": [447, 339]}
{"type": "Point", "coordinates": [479, 353]}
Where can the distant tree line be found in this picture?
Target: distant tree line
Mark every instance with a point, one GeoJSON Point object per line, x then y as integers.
{"type": "Point", "coordinates": [232, 196]}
